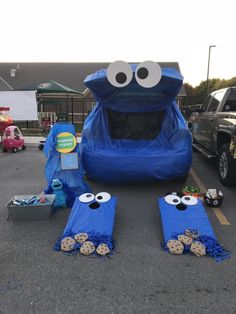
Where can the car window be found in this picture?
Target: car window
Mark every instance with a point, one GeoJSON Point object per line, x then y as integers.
{"type": "Point", "coordinates": [214, 103]}
{"type": "Point", "coordinates": [206, 102]}
{"type": "Point", "coordinates": [16, 131]}
{"type": "Point", "coordinates": [230, 104]}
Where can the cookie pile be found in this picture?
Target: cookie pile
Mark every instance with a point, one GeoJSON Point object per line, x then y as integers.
{"type": "Point", "coordinates": [187, 241]}
{"type": "Point", "coordinates": [87, 247]}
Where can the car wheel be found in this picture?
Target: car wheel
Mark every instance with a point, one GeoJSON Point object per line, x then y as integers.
{"type": "Point", "coordinates": [23, 147]}
{"type": "Point", "coordinates": [40, 146]}
{"type": "Point", "coordinates": [226, 166]}
{"type": "Point", "coordinates": [14, 150]}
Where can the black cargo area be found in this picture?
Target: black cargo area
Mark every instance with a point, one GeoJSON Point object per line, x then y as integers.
{"type": "Point", "coordinates": [135, 126]}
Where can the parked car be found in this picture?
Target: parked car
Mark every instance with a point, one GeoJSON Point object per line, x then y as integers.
{"type": "Point", "coordinates": [213, 129]}
{"type": "Point", "coordinates": [13, 139]}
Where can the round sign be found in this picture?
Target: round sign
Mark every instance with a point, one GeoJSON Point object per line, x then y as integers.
{"type": "Point", "coordinates": [66, 142]}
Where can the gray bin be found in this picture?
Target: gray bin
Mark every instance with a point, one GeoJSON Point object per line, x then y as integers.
{"type": "Point", "coordinates": [30, 212]}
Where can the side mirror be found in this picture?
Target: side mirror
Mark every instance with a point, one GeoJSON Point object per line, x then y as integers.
{"type": "Point", "coordinates": [200, 109]}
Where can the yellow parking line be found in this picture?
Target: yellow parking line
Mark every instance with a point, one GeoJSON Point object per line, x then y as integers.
{"type": "Point", "coordinates": [217, 211]}
{"type": "Point", "coordinates": [221, 217]}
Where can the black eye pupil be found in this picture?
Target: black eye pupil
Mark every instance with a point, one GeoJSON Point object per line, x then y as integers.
{"type": "Point", "coordinates": [142, 73]}
{"type": "Point", "coordinates": [187, 198]}
{"type": "Point", "coordinates": [99, 197]}
{"type": "Point", "coordinates": [121, 77]}
{"type": "Point", "coordinates": [88, 195]}
{"type": "Point", "coordinates": [175, 200]}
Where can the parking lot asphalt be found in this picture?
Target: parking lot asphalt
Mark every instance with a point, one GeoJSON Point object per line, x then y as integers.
{"type": "Point", "coordinates": [138, 278]}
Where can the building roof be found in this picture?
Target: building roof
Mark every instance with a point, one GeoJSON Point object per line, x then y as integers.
{"type": "Point", "coordinates": [69, 74]}
{"type": "Point", "coordinates": [52, 87]}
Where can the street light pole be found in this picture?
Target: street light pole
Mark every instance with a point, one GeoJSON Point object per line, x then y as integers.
{"type": "Point", "coordinates": [208, 67]}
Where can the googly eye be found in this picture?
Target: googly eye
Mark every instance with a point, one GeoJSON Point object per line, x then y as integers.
{"type": "Point", "coordinates": [172, 199]}
{"type": "Point", "coordinates": [148, 74]}
{"type": "Point", "coordinates": [189, 200]}
{"type": "Point", "coordinates": [103, 197]}
{"type": "Point", "coordinates": [86, 197]}
{"type": "Point", "coordinates": [119, 73]}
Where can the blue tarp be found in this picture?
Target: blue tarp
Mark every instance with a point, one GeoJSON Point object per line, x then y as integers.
{"type": "Point", "coordinates": [194, 217]}
{"type": "Point", "coordinates": [176, 221]}
{"type": "Point", "coordinates": [73, 180]}
{"type": "Point", "coordinates": [97, 223]}
{"type": "Point", "coordinates": [135, 133]}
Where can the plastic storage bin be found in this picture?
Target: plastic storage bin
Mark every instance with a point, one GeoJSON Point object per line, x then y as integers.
{"type": "Point", "coordinates": [30, 212]}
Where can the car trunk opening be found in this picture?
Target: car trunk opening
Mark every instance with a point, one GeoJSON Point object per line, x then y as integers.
{"type": "Point", "coordinates": [135, 126]}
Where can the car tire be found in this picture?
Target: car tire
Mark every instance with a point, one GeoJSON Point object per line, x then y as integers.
{"type": "Point", "coordinates": [23, 147]}
{"type": "Point", "coordinates": [226, 166]}
{"type": "Point", "coordinates": [40, 146]}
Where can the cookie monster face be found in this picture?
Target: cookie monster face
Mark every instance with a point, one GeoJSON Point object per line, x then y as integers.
{"type": "Point", "coordinates": [135, 132]}
{"type": "Point", "coordinates": [56, 185]}
{"type": "Point", "coordinates": [180, 201]}
{"type": "Point", "coordinates": [95, 201]}
{"type": "Point", "coordinates": [90, 225]}
{"type": "Point", "coordinates": [183, 212]}
{"type": "Point", "coordinates": [92, 214]}
{"type": "Point", "coordinates": [135, 97]}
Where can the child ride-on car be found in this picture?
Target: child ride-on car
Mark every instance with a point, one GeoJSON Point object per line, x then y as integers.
{"type": "Point", "coordinates": [13, 139]}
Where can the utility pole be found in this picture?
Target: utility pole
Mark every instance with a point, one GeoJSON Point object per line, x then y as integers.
{"type": "Point", "coordinates": [208, 68]}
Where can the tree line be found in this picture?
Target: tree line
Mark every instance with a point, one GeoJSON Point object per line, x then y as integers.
{"type": "Point", "coordinates": [196, 95]}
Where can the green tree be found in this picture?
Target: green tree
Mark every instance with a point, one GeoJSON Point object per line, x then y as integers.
{"type": "Point", "coordinates": [197, 94]}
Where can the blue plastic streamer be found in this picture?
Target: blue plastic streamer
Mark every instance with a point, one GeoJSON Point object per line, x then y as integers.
{"type": "Point", "coordinates": [213, 248]}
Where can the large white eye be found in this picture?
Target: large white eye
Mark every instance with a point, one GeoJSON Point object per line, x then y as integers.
{"type": "Point", "coordinates": [189, 200]}
{"type": "Point", "coordinates": [172, 199]}
{"type": "Point", "coordinates": [103, 197]}
{"type": "Point", "coordinates": [148, 74]}
{"type": "Point", "coordinates": [86, 197]}
{"type": "Point", "coordinates": [119, 73]}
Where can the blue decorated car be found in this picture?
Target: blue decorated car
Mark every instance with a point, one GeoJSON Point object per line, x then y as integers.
{"type": "Point", "coordinates": [136, 132]}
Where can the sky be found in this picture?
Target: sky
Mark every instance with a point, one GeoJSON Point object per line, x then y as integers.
{"type": "Point", "coordinates": [133, 31]}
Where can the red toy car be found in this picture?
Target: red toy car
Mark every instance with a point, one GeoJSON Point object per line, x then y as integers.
{"type": "Point", "coordinates": [13, 139]}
